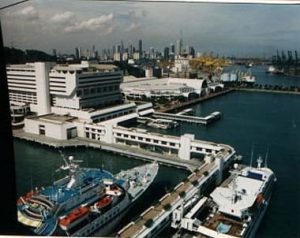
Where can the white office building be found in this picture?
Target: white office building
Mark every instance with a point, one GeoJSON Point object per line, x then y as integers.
{"type": "Point", "coordinates": [85, 85]}
{"type": "Point", "coordinates": [28, 84]}
{"type": "Point", "coordinates": [166, 87]}
{"type": "Point", "coordinates": [46, 86]}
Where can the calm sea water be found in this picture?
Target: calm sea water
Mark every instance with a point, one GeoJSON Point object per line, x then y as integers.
{"type": "Point", "coordinates": [258, 120]}
{"type": "Point", "coordinates": [261, 120]}
{"type": "Point", "coordinates": [263, 78]}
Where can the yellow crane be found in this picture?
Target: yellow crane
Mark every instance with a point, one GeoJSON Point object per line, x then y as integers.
{"type": "Point", "coordinates": [209, 64]}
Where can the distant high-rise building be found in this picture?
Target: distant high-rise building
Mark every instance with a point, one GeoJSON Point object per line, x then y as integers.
{"type": "Point", "coordinates": [152, 53]}
{"type": "Point", "coordinates": [73, 92]}
{"type": "Point", "coordinates": [172, 48]}
{"type": "Point", "coordinates": [192, 51]}
{"type": "Point", "coordinates": [130, 50]}
{"type": "Point", "coordinates": [136, 56]}
{"type": "Point", "coordinates": [76, 53]}
{"type": "Point", "coordinates": [54, 52]}
{"type": "Point", "coordinates": [179, 47]}
{"type": "Point", "coordinates": [122, 47]}
{"type": "Point", "coordinates": [140, 47]}
{"type": "Point", "coordinates": [166, 53]}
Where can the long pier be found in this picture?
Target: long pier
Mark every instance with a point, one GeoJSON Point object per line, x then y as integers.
{"type": "Point", "coordinates": [190, 119]}
{"type": "Point", "coordinates": [194, 101]}
{"type": "Point", "coordinates": [153, 220]}
{"type": "Point", "coordinates": [166, 205]}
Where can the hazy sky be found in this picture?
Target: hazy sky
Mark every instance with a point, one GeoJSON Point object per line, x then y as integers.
{"type": "Point", "coordinates": [230, 29]}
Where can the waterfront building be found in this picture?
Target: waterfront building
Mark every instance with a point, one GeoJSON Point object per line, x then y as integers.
{"type": "Point", "coordinates": [164, 87]}
{"type": "Point", "coordinates": [28, 84]}
{"type": "Point", "coordinates": [84, 85]}
{"type": "Point", "coordinates": [46, 86]}
{"type": "Point", "coordinates": [63, 127]}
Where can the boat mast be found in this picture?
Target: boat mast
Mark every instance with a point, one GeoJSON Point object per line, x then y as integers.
{"type": "Point", "coordinates": [266, 158]}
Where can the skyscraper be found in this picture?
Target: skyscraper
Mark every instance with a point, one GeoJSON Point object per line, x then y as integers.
{"type": "Point", "coordinates": [140, 47]}
{"type": "Point", "coordinates": [76, 53]}
{"type": "Point", "coordinates": [172, 51]}
{"type": "Point", "coordinates": [166, 53]}
{"type": "Point", "coordinates": [122, 47]}
{"type": "Point", "coordinates": [130, 49]}
{"type": "Point", "coordinates": [179, 47]}
{"type": "Point", "coordinates": [54, 52]}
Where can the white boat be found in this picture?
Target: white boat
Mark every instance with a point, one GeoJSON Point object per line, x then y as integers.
{"type": "Point", "coordinates": [87, 201]}
{"type": "Point", "coordinates": [236, 208]}
{"type": "Point", "coordinates": [248, 78]}
{"type": "Point", "coordinates": [162, 123]}
{"type": "Point", "coordinates": [273, 70]}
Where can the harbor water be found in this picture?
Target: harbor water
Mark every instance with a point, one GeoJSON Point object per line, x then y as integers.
{"type": "Point", "coordinates": [261, 121]}
{"type": "Point", "coordinates": [249, 120]}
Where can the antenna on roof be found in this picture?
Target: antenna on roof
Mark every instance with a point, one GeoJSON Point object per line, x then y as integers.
{"type": "Point", "coordinates": [266, 158]}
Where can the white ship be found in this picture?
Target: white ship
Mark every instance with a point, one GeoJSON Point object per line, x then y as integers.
{"type": "Point", "coordinates": [248, 79]}
{"type": "Point", "coordinates": [85, 202]}
{"type": "Point", "coordinates": [273, 70]}
{"type": "Point", "coordinates": [234, 209]}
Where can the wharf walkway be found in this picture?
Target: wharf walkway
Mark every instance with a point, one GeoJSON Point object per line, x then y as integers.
{"type": "Point", "coordinates": [160, 212]}
{"type": "Point", "coordinates": [190, 119]}
{"type": "Point", "coordinates": [124, 150]}
{"type": "Point", "coordinates": [43, 140]}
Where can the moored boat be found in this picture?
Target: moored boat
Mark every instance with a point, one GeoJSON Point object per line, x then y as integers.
{"type": "Point", "coordinates": [234, 209]}
{"type": "Point", "coordinates": [85, 202]}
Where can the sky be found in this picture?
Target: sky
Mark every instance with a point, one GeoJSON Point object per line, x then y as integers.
{"type": "Point", "coordinates": [245, 30]}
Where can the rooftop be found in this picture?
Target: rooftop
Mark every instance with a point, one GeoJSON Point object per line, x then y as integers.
{"type": "Point", "coordinates": [87, 67]}
{"type": "Point", "coordinates": [55, 118]}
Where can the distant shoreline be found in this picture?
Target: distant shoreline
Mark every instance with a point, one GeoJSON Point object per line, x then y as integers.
{"type": "Point", "coordinates": [267, 91]}
{"type": "Point", "coordinates": [231, 89]}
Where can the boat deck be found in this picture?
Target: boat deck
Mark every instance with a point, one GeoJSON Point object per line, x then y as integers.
{"type": "Point", "coordinates": [214, 220]}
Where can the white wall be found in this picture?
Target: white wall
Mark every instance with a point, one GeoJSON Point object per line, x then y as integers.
{"type": "Point", "coordinates": [42, 87]}
{"type": "Point", "coordinates": [185, 145]}
{"type": "Point", "coordinates": [52, 130]}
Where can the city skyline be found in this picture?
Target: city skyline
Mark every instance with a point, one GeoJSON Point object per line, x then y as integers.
{"type": "Point", "coordinates": [225, 29]}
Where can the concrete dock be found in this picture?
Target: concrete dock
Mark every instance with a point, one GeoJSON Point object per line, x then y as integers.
{"type": "Point", "coordinates": [124, 150]}
{"type": "Point", "coordinates": [194, 101]}
{"type": "Point", "coordinates": [166, 204]}
{"type": "Point", "coordinates": [189, 119]}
